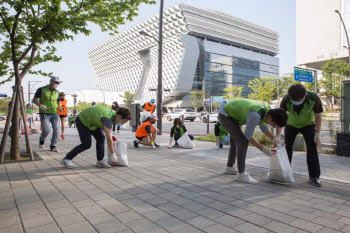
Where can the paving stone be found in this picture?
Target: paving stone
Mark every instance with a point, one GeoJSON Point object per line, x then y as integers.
{"type": "Point", "coordinates": [8, 213]}
{"type": "Point", "coordinates": [306, 225]}
{"type": "Point", "coordinates": [250, 228]}
{"type": "Point", "coordinates": [256, 219]}
{"type": "Point", "coordinates": [50, 228]}
{"type": "Point", "coordinates": [128, 216]}
{"type": "Point", "coordinates": [69, 219]}
{"type": "Point", "coordinates": [337, 225]}
{"type": "Point", "coordinates": [157, 215]}
{"type": "Point", "coordinates": [183, 214]}
{"type": "Point", "coordinates": [32, 213]}
{"type": "Point", "coordinates": [110, 227]}
{"type": "Point", "coordinates": [229, 221]}
{"type": "Point", "coordinates": [37, 221]}
{"type": "Point", "coordinates": [83, 227]}
{"type": "Point", "coordinates": [9, 221]}
{"type": "Point", "coordinates": [140, 225]}
{"type": "Point", "coordinates": [328, 230]}
{"type": "Point", "coordinates": [200, 222]}
{"type": "Point", "coordinates": [210, 213]}
{"type": "Point", "coordinates": [171, 224]}
{"type": "Point", "coordinates": [219, 228]}
{"type": "Point", "coordinates": [279, 227]}
{"type": "Point", "coordinates": [30, 205]}
{"type": "Point", "coordinates": [57, 204]}
{"type": "Point", "coordinates": [99, 218]}
{"type": "Point", "coordinates": [62, 211]}
{"type": "Point", "coordinates": [12, 229]}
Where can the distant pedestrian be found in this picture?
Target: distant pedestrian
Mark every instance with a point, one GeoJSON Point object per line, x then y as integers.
{"type": "Point", "coordinates": [177, 131]}
{"type": "Point", "coordinates": [47, 98]}
{"type": "Point", "coordinates": [97, 122]}
{"type": "Point", "coordinates": [232, 116]}
{"type": "Point", "coordinates": [149, 106]}
{"type": "Point", "coordinates": [93, 104]}
{"type": "Point", "coordinates": [220, 134]}
{"type": "Point", "coordinates": [63, 113]}
{"type": "Point", "coordinates": [29, 113]}
{"type": "Point", "coordinates": [115, 107]}
{"type": "Point", "coordinates": [304, 110]}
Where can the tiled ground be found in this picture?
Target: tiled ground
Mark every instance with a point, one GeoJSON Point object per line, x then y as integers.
{"type": "Point", "coordinates": [164, 190]}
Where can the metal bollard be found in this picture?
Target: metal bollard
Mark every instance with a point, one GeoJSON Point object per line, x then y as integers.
{"type": "Point", "coordinates": [182, 118]}
{"type": "Point", "coordinates": [208, 123]}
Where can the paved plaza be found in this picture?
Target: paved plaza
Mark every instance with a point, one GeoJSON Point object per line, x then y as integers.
{"type": "Point", "coordinates": [163, 190]}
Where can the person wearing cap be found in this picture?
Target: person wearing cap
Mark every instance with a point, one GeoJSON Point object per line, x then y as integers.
{"type": "Point", "coordinates": [97, 121]}
{"type": "Point", "coordinates": [146, 133]}
{"type": "Point", "coordinates": [62, 113]}
{"type": "Point", "coordinates": [47, 98]}
{"type": "Point", "coordinates": [149, 106]}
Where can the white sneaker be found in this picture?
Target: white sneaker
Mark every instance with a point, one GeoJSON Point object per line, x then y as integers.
{"type": "Point", "coordinates": [245, 178]}
{"type": "Point", "coordinates": [67, 163]}
{"type": "Point", "coordinates": [231, 170]}
{"type": "Point", "coordinates": [103, 164]}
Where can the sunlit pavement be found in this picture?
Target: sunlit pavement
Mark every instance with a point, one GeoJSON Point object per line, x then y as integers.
{"type": "Point", "coordinates": [163, 190]}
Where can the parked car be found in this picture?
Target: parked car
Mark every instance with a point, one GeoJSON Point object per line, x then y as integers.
{"type": "Point", "coordinates": [213, 116]}
{"type": "Point", "coordinates": [2, 117]}
{"type": "Point", "coordinates": [189, 114]}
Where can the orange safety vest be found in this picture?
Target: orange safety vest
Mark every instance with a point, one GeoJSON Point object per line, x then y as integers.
{"type": "Point", "coordinates": [141, 130]}
{"type": "Point", "coordinates": [64, 108]}
{"type": "Point", "coordinates": [149, 108]}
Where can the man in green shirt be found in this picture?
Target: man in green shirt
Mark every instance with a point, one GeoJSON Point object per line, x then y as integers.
{"type": "Point", "coordinates": [304, 110]}
{"type": "Point", "coordinates": [97, 121]}
{"type": "Point", "coordinates": [232, 116]}
{"type": "Point", "coordinates": [48, 101]}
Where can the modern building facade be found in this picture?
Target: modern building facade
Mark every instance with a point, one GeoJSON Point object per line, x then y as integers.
{"type": "Point", "coordinates": [198, 45]}
{"type": "Point", "coordinates": [319, 33]}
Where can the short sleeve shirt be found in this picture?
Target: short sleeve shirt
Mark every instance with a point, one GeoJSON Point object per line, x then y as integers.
{"type": "Point", "coordinates": [107, 122]}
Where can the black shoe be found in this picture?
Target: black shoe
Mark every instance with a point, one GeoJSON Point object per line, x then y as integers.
{"type": "Point", "coordinates": [221, 146]}
{"type": "Point", "coordinates": [176, 144]}
{"type": "Point", "coordinates": [53, 148]}
{"type": "Point", "coordinates": [315, 181]}
{"type": "Point", "coordinates": [136, 144]}
{"type": "Point", "coordinates": [41, 144]}
{"type": "Point", "coordinates": [156, 145]}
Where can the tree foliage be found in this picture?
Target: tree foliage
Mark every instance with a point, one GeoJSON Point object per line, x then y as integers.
{"type": "Point", "coordinates": [128, 98]}
{"type": "Point", "coordinates": [263, 89]}
{"type": "Point", "coordinates": [4, 102]}
{"type": "Point", "coordinates": [334, 71]}
{"type": "Point", "coordinates": [197, 98]}
{"type": "Point", "coordinates": [29, 28]}
{"type": "Point", "coordinates": [233, 92]}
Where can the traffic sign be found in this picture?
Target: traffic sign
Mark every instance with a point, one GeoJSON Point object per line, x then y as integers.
{"type": "Point", "coordinates": [218, 98]}
{"type": "Point", "coordinates": [3, 95]}
{"type": "Point", "coordinates": [303, 75]}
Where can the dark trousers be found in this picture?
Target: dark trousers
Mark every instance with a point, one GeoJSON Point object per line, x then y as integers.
{"type": "Point", "coordinates": [85, 138]}
{"type": "Point", "coordinates": [177, 136]}
{"type": "Point", "coordinates": [118, 127]}
{"type": "Point", "coordinates": [238, 142]}
{"type": "Point", "coordinates": [308, 133]}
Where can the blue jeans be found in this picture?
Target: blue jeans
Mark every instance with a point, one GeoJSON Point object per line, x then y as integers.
{"type": "Point", "coordinates": [30, 122]}
{"type": "Point", "coordinates": [45, 120]}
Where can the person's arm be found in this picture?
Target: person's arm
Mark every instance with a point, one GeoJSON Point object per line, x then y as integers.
{"type": "Point", "coordinates": [148, 130]}
{"type": "Point", "coordinates": [217, 140]}
{"type": "Point", "coordinates": [318, 124]}
{"type": "Point", "coordinates": [170, 142]}
{"type": "Point", "coordinates": [267, 132]}
{"type": "Point", "coordinates": [108, 134]}
{"type": "Point", "coordinates": [59, 105]}
{"type": "Point", "coordinates": [143, 106]}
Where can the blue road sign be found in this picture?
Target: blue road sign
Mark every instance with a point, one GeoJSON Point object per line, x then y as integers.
{"type": "Point", "coordinates": [218, 98]}
{"type": "Point", "coordinates": [303, 75]}
{"type": "Point", "coordinates": [3, 95]}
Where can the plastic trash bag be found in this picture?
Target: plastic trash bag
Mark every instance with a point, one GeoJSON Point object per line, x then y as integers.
{"type": "Point", "coordinates": [120, 148]}
{"type": "Point", "coordinates": [144, 115]}
{"type": "Point", "coordinates": [226, 140]}
{"type": "Point", "coordinates": [280, 170]}
{"type": "Point", "coordinates": [185, 142]}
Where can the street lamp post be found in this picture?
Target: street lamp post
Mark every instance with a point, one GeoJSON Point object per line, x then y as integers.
{"type": "Point", "coordinates": [278, 92]}
{"type": "Point", "coordinates": [160, 55]}
{"type": "Point", "coordinates": [30, 90]}
{"type": "Point", "coordinates": [346, 33]}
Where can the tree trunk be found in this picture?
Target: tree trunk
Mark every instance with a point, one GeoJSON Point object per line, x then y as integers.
{"type": "Point", "coordinates": [15, 153]}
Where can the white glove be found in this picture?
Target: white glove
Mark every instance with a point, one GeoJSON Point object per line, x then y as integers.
{"type": "Point", "coordinates": [277, 140]}
{"type": "Point", "coordinates": [317, 139]}
{"type": "Point", "coordinates": [43, 107]}
{"type": "Point", "coordinates": [113, 158]}
{"type": "Point", "coordinates": [268, 151]}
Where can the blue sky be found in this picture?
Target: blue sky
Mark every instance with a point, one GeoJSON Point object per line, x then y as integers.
{"type": "Point", "coordinates": [77, 74]}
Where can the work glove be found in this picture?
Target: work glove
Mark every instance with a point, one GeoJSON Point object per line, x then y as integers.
{"type": "Point", "coordinates": [153, 146]}
{"type": "Point", "coordinates": [277, 140]}
{"type": "Point", "coordinates": [114, 138]}
{"type": "Point", "coordinates": [169, 146]}
{"type": "Point", "coordinates": [113, 158]}
{"type": "Point", "coordinates": [268, 151]}
{"type": "Point", "coordinates": [317, 139]}
{"type": "Point", "coordinates": [43, 107]}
